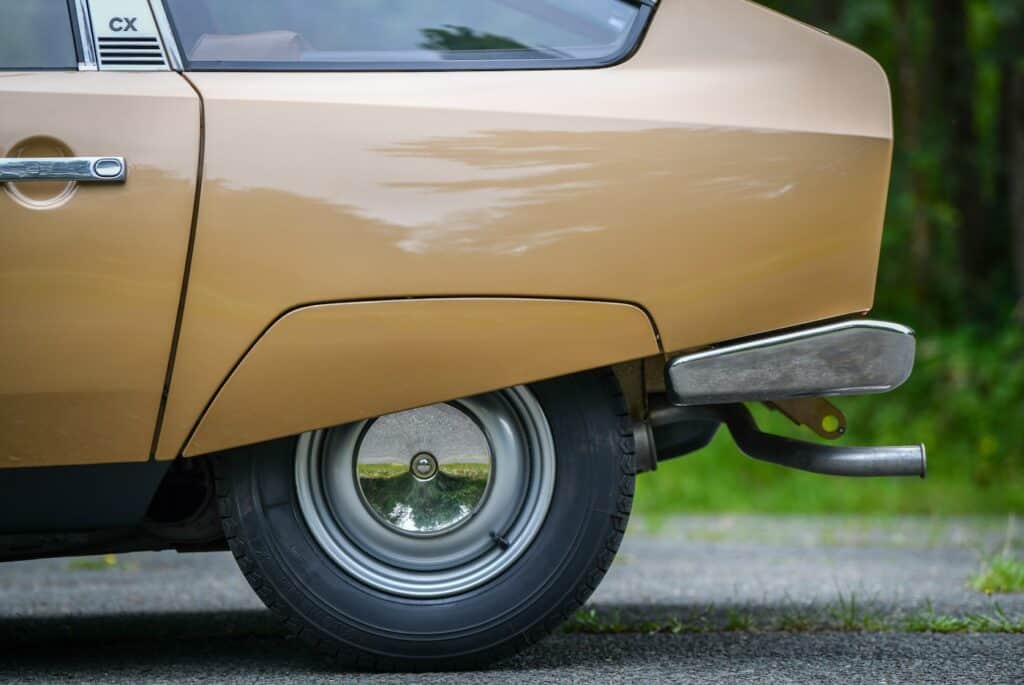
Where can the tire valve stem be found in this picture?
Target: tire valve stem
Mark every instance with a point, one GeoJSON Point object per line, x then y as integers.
{"type": "Point", "coordinates": [500, 541]}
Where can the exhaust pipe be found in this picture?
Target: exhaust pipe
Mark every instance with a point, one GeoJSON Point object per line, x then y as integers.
{"type": "Point", "coordinates": [861, 462]}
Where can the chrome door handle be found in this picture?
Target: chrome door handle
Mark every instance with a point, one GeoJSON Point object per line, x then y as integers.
{"type": "Point", "coordinates": [83, 169]}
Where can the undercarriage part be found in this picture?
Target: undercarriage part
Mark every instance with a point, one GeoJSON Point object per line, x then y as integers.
{"type": "Point", "coordinates": [645, 378]}
{"type": "Point", "coordinates": [664, 435]}
{"type": "Point", "coordinates": [182, 515]}
{"type": "Point", "coordinates": [184, 510]}
{"type": "Point", "coordinates": [644, 450]}
{"type": "Point", "coordinates": [797, 454]}
{"type": "Point", "coordinates": [817, 414]}
{"type": "Point", "coordinates": [77, 498]}
{"type": "Point", "coordinates": [23, 546]}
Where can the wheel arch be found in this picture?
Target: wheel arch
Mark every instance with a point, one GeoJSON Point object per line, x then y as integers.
{"type": "Point", "coordinates": [327, 364]}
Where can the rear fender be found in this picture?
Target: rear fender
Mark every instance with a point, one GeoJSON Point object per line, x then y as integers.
{"type": "Point", "coordinates": [329, 364]}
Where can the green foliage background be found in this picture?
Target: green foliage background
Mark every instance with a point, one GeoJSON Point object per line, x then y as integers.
{"type": "Point", "coordinates": [955, 221]}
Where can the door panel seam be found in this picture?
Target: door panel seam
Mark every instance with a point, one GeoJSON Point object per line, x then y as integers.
{"type": "Point", "coordinates": [186, 274]}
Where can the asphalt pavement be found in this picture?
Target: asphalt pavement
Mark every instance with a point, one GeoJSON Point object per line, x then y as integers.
{"type": "Point", "coordinates": [696, 599]}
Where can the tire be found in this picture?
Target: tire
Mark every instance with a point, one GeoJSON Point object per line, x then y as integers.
{"type": "Point", "coordinates": [512, 594]}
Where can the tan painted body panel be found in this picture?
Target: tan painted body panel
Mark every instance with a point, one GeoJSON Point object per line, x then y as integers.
{"type": "Point", "coordinates": [336, 363]}
{"type": "Point", "coordinates": [730, 179]}
{"type": "Point", "coordinates": [90, 283]}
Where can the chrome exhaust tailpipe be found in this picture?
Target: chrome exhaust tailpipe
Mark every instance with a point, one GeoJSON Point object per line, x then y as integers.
{"type": "Point", "coordinates": [861, 462]}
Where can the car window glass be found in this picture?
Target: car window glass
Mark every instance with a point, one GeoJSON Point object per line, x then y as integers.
{"type": "Point", "coordinates": [36, 34]}
{"type": "Point", "coordinates": [297, 32]}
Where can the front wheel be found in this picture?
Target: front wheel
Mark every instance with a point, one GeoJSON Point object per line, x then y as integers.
{"type": "Point", "coordinates": [442, 537]}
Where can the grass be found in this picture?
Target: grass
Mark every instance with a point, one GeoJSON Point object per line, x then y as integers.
{"type": "Point", "coordinates": [108, 562]}
{"type": "Point", "coordinates": [737, 621]}
{"type": "Point", "coordinates": [927, 621]}
{"type": "Point", "coordinates": [847, 614]}
{"type": "Point", "coordinates": [795, 621]}
{"type": "Point", "coordinates": [592, 622]}
{"type": "Point", "coordinates": [474, 470]}
{"type": "Point", "coordinates": [721, 479]}
{"type": "Point", "coordinates": [1000, 574]}
{"type": "Point", "coordinates": [965, 401]}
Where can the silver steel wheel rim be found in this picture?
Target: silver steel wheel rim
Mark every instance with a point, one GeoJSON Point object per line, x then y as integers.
{"type": "Point", "coordinates": [394, 551]}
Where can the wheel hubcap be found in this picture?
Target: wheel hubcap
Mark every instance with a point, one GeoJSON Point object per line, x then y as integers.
{"type": "Point", "coordinates": [432, 501]}
{"type": "Point", "coordinates": [427, 494]}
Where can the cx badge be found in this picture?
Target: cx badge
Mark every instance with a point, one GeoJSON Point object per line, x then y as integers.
{"type": "Point", "coordinates": [121, 24]}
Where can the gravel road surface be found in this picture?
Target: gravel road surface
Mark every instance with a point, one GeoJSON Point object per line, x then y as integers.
{"type": "Point", "coordinates": [775, 600]}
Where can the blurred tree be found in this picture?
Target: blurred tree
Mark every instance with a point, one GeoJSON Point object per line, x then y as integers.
{"type": "Point", "coordinates": [456, 38]}
{"type": "Point", "coordinates": [953, 61]}
{"type": "Point", "coordinates": [1014, 178]}
{"type": "Point", "coordinates": [911, 93]}
{"type": "Point", "coordinates": [1010, 57]}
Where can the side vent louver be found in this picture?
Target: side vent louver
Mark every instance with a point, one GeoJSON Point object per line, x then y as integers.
{"type": "Point", "coordinates": [126, 36]}
{"type": "Point", "coordinates": [137, 52]}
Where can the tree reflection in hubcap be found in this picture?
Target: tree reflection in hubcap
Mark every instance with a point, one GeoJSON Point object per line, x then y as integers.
{"type": "Point", "coordinates": [424, 493]}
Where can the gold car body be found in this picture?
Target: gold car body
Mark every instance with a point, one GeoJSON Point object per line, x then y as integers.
{"type": "Point", "coordinates": [298, 250]}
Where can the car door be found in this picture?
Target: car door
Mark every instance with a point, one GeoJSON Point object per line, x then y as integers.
{"type": "Point", "coordinates": [92, 263]}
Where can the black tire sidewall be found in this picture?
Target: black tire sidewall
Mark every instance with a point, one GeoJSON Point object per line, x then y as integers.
{"type": "Point", "coordinates": [555, 575]}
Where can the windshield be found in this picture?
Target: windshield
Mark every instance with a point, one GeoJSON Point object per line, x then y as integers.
{"type": "Point", "coordinates": [325, 32]}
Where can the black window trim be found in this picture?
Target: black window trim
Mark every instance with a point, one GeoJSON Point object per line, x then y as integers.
{"type": "Point", "coordinates": [73, 24]}
{"type": "Point", "coordinates": [83, 34]}
{"type": "Point", "coordinates": [76, 32]}
{"type": "Point", "coordinates": [645, 10]}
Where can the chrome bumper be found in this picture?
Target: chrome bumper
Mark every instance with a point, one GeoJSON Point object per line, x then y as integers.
{"type": "Point", "coordinates": [848, 358]}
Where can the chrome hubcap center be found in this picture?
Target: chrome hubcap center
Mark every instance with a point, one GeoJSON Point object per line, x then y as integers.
{"type": "Point", "coordinates": [424, 466]}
